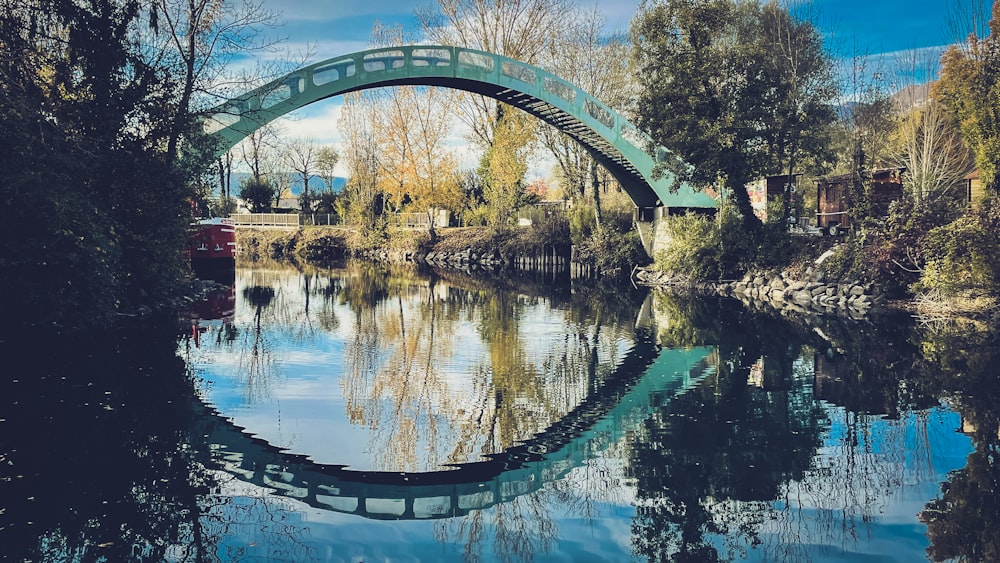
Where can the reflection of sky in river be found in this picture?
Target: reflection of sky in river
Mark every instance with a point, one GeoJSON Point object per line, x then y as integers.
{"type": "Point", "coordinates": [822, 517]}
{"type": "Point", "coordinates": [592, 521]}
{"type": "Point", "coordinates": [294, 394]}
{"type": "Point", "coordinates": [857, 501]}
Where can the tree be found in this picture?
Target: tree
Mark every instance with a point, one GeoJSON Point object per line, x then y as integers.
{"type": "Point", "coordinates": [864, 136]}
{"type": "Point", "coordinates": [196, 40]}
{"type": "Point", "coordinates": [598, 64]}
{"type": "Point", "coordinates": [706, 66]}
{"type": "Point", "coordinates": [363, 201]}
{"type": "Point", "coordinates": [503, 167]}
{"type": "Point", "coordinates": [800, 94]}
{"type": "Point", "coordinates": [302, 156]}
{"type": "Point", "coordinates": [259, 151]}
{"type": "Point", "coordinates": [417, 170]}
{"type": "Point", "coordinates": [85, 118]}
{"type": "Point", "coordinates": [932, 151]}
{"type": "Point", "coordinates": [970, 87]}
{"type": "Point", "coordinates": [258, 193]}
{"type": "Point", "coordinates": [326, 165]}
{"type": "Point", "coordinates": [519, 29]}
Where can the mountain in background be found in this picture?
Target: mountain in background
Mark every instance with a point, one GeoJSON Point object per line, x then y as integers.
{"type": "Point", "coordinates": [906, 98]}
{"type": "Point", "coordinates": [316, 183]}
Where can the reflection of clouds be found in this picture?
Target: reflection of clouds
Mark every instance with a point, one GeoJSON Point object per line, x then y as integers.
{"type": "Point", "coordinates": [407, 381]}
{"type": "Point", "coordinates": [238, 505]}
{"type": "Point", "coordinates": [868, 480]}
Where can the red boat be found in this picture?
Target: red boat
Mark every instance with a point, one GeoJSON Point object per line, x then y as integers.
{"type": "Point", "coordinates": [213, 242]}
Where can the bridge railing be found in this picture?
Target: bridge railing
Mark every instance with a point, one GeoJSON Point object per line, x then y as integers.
{"type": "Point", "coordinates": [618, 144]}
{"type": "Point", "coordinates": [272, 220]}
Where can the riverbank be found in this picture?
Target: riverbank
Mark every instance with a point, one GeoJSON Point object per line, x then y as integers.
{"type": "Point", "coordinates": [788, 294]}
{"type": "Point", "coordinates": [478, 248]}
{"type": "Point", "coordinates": [797, 290]}
{"type": "Point", "coordinates": [456, 247]}
{"type": "Point", "coordinates": [780, 292]}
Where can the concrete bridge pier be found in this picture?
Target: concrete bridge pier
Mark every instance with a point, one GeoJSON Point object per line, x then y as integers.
{"type": "Point", "coordinates": [646, 220]}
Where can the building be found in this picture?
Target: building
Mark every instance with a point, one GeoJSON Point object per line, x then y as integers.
{"type": "Point", "coordinates": [834, 196]}
{"type": "Point", "coordinates": [767, 189]}
{"type": "Point", "coordinates": [973, 188]}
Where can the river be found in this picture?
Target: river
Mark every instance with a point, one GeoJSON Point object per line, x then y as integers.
{"type": "Point", "coordinates": [389, 414]}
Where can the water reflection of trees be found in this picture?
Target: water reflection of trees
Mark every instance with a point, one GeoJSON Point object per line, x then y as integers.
{"type": "Point", "coordinates": [709, 462]}
{"type": "Point", "coordinates": [731, 465]}
{"type": "Point", "coordinates": [425, 413]}
{"type": "Point", "coordinates": [408, 329]}
{"type": "Point", "coordinates": [960, 362]}
{"type": "Point", "coordinates": [404, 329]}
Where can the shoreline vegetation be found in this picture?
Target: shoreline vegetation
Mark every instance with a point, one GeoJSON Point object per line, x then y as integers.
{"type": "Point", "coordinates": [803, 286]}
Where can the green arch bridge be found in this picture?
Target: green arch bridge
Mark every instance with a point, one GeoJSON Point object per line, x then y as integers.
{"type": "Point", "coordinates": [614, 142]}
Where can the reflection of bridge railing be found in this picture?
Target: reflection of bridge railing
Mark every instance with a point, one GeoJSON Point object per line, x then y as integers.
{"type": "Point", "coordinates": [273, 220]}
{"type": "Point", "coordinates": [620, 406]}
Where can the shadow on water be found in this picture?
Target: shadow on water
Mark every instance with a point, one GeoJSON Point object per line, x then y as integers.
{"type": "Point", "coordinates": [97, 455]}
{"type": "Point", "coordinates": [777, 436]}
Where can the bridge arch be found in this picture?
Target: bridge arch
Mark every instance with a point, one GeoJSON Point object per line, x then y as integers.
{"type": "Point", "coordinates": [614, 142]}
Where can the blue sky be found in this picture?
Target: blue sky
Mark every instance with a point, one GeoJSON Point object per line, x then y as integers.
{"type": "Point", "coordinates": [877, 26]}
{"type": "Point", "coordinates": [884, 31]}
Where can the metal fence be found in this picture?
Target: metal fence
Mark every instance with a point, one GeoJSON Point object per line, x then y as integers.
{"type": "Point", "coordinates": [320, 219]}
{"type": "Point", "coordinates": [274, 220]}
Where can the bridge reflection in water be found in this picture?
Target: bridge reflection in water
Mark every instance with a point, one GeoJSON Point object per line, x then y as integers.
{"type": "Point", "coordinates": [620, 406]}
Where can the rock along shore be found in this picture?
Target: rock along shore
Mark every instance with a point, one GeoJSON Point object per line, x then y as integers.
{"type": "Point", "coordinates": [780, 292]}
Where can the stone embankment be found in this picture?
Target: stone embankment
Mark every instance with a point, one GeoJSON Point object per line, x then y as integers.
{"type": "Point", "coordinates": [779, 291]}
{"type": "Point", "coordinates": [468, 258]}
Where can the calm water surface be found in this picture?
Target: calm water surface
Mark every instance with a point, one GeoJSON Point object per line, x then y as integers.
{"type": "Point", "coordinates": [365, 414]}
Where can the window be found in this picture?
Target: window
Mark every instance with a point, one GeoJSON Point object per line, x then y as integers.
{"type": "Point", "coordinates": [560, 89]}
{"type": "Point", "coordinates": [384, 60]}
{"type": "Point", "coordinates": [277, 95]}
{"type": "Point", "coordinates": [635, 137]}
{"type": "Point", "coordinates": [518, 72]}
{"type": "Point", "coordinates": [596, 111]}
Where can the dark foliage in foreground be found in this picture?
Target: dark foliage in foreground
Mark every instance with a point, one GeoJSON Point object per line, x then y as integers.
{"type": "Point", "coordinates": [94, 208]}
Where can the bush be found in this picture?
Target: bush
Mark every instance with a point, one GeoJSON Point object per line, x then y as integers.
{"type": "Point", "coordinates": [961, 260]}
{"type": "Point", "coordinates": [615, 251]}
{"type": "Point", "coordinates": [546, 232]}
{"type": "Point", "coordinates": [477, 216]}
{"type": "Point", "coordinates": [259, 194]}
{"type": "Point", "coordinates": [694, 247]}
{"type": "Point", "coordinates": [581, 222]}
{"type": "Point", "coordinates": [321, 246]}
{"type": "Point", "coordinates": [890, 252]}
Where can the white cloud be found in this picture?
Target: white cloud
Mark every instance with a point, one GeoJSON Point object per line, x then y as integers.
{"type": "Point", "coordinates": [324, 10]}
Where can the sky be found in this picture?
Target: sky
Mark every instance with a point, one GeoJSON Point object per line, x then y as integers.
{"type": "Point", "coordinates": [882, 31]}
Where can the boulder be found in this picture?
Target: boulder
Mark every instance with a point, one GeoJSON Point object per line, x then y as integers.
{"type": "Point", "coordinates": [802, 298]}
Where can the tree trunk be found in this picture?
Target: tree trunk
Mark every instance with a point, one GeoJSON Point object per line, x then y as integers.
{"type": "Point", "coordinates": [742, 200]}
